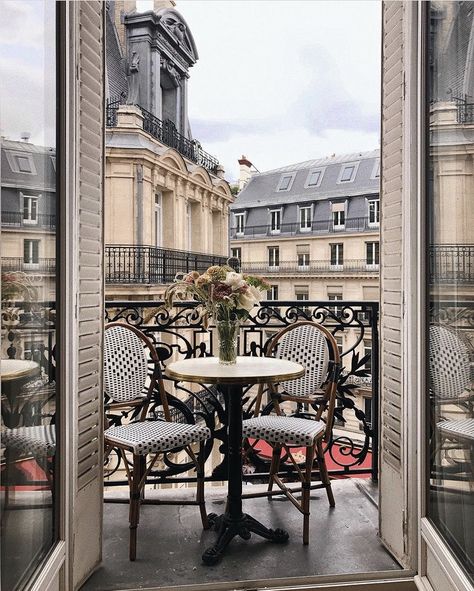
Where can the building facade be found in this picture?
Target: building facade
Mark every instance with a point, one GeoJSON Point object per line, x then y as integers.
{"type": "Point", "coordinates": [166, 200]}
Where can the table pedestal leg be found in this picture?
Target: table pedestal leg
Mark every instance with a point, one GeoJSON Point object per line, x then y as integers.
{"type": "Point", "coordinates": [233, 522]}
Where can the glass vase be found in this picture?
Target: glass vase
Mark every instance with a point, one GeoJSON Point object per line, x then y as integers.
{"type": "Point", "coordinates": [227, 333]}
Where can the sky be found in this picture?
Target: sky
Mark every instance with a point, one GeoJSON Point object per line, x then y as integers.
{"type": "Point", "coordinates": [283, 81]}
{"type": "Point", "coordinates": [27, 70]}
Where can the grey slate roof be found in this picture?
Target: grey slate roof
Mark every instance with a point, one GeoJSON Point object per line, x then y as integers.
{"type": "Point", "coordinates": [261, 190]}
{"type": "Point", "coordinates": [117, 85]}
{"type": "Point", "coordinates": [44, 177]}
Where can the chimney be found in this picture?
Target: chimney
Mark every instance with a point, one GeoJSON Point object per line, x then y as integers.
{"type": "Point", "coordinates": [123, 7]}
{"type": "Point", "coordinates": [220, 173]}
{"type": "Point", "coordinates": [245, 172]}
{"type": "Point", "coordinates": [159, 4]}
{"type": "Point", "coordinates": [25, 136]}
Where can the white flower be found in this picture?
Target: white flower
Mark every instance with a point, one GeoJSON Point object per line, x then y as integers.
{"type": "Point", "coordinates": [235, 280]}
{"type": "Point", "coordinates": [246, 301]}
{"type": "Point", "coordinates": [256, 293]}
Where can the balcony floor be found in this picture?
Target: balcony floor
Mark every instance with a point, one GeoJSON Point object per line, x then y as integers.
{"type": "Point", "coordinates": [170, 542]}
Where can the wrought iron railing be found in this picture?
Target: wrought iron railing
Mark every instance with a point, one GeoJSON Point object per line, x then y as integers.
{"type": "Point", "coordinates": [16, 219]}
{"type": "Point", "coordinates": [19, 264]}
{"type": "Point", "coordinates": [166, 132]}
{"type": "Point", "coordinates": [180, 333]}
{"type": "Point", "coordinates": [465, 112]}
{"type": "Point", "coordinates": [359, 224]}
{"type": "Point", "coordinates": [451, 263]}
{"type": "Point", "coordinates": [314, 267]}
{"type": "Point", "coordinates": [152, 264]}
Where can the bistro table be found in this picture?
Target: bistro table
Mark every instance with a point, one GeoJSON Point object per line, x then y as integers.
{"type": "Point", "coordinates": [15, 373]}
{"type": "Point", "coordinates": [231, 379]}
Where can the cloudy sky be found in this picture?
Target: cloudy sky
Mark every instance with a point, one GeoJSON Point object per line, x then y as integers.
{"type": "Point", "coordinates": [27, 70]}
{"type": "Point", "coordinates": [283, 81]}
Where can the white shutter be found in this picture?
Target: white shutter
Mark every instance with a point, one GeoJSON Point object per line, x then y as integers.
{"type": "Point", "coordinates": [392, 495]}
{"type": "Point", "coordinates": [90, 144]}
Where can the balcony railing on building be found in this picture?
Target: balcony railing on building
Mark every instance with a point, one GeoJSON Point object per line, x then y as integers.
{"type": "Point", "coordinates": [465, 112]}
{"type": "Point", "coordinates": [152, 264]}
{"type": "Point", "coordinates": [16, 219]}
{"type": "Point", "coordinates": [314, 267]}
{"type": "Point", "coordinates": [450, 263]}
{"type": "Point", "coordinates": [46, 266]}
{"type": "Point", "coordinates": [166, 132]}
{"type": "Point", "coordinates": [359, 224]}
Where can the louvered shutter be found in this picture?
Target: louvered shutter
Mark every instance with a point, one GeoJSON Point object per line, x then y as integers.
{"type": "Point", "coordinates": [88, 502]}
{"type": "Point", "coordinates": [392, 490]}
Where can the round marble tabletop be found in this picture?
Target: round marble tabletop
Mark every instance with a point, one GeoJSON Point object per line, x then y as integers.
{"type": "Point", "coordinates": [247, 370]}
{"type": "Point", "coordinates": [15, 369]}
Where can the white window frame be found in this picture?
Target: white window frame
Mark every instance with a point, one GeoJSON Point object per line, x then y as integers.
{"type": "Point", "coordinates": [339, 256]}
{"type": "Point", "coordinates": [309, 220]}
{"type": "Point", "coordinates": [27, 261]}
{"type": "Point", "coordinates": [28, 198]}
{"type": "Point", "coordinates": [239, 227]}
{"type": "Point", "coordinates": [376, 223]}
{"type": "Point", "coordinates": [353, 175]}
{"type": "Point", "coordinates": [272, 258]}
{"type": "Point", "coordinates": [158, 219]}
{"type": "Point", "coordinates": [335, 218]}
{"type": "Point", "coordinates": [305, 260]}
{"type": "Point", "coordinates": [290, 184]}
{"type": "Point", "coordinates": [376, 170]}
{"type": "Point", "coordinates": [321, 171]}
{"type": "Point", "coordinates": [373, 254]}
{"type": "Point", "coordinates": [335, 297]}
{"type": "Point", "coordinates": [233, 252]}
{"type": "Point", "coordinates": [272, 292]}
{"type": "Point", "coordinates": [278, 214]}
{"type": "Point", "coordinates": [12, 156]}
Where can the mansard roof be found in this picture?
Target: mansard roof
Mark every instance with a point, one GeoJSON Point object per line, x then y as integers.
{"type": "Point", "coordinates": [39, 166]}
{"type": "Point", "coordinates": [263, 188]}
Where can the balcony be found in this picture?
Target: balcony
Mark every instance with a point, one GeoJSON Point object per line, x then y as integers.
{"type": "Point", "coordinates": [451, 263]}
{"type": "Point", "coordinates": [15, 219]}
{"type": "Point", "coordinates": [44, 266]}
{"type": "Point", "coordinates": [153, 265]}
{"type": "Point", "coordinates": [315, 267]}
{"type": "Point", "coordinates": [359, 224]}
{"type": "Point", "coordinates": [166, 133]}
{"type": "Point", "coordinates": [465, 111]}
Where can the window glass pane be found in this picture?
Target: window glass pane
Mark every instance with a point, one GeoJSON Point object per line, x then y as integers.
{"type": "Point", "coordinates": [28, 221]}
{"type": "Point", "coordinates": [347, 173]}
{"type": "Point", "coordinates": [450, 335]}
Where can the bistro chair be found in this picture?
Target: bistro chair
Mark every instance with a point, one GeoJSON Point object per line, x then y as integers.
{"type": "Point", "coordinates": [126, 359]}
{"type": "Point", "coordinates": [314, 347]}
{"type": "Point", "coordinates": [450, 387]}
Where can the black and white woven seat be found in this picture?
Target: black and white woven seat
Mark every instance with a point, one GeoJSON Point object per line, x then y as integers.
{"type": "Point", "coordinates": [314, 347]}
{"type": "Point", "coordinates": [151, 437]}
{"type": "Point", "coordinates": [37, 440]}
{"type": "Point", "coordinates": [458, 428]}
{"type": "Point", "coordinates": [128, 353]}
{"type": "Point", "coordinates": [284, 430]}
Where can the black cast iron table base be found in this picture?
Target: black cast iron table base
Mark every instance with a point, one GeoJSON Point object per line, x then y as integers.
{"type": "Point", "coordinates": [227, 528]}
{"type": "Point", "coordinates": [234, 522]}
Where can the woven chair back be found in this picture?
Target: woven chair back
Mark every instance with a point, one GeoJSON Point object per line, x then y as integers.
{"type": "Point", "coordinates": [449, 364]}
{"type": "Point", "coordinates": [125, 363]}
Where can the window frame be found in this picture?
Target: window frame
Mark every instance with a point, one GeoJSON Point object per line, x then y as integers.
{"type": "Point", "coordinates": [29, 221]}
{"type": "Point", "coordinates": [301, 227]}
{"type": "Point", "coordinates": [240, 228]}
{"type": "Point", "coordinates": [12, 156]}
{"type": "Point", "coordinates": [273, 259]}
{"type": "Point", "coordinates": [344, 166]}
{"type": "Point", "coordinates": [370, 201]}
{"type": "Point", "coordinates": [279, 214]}
{"type": "Point", "coordinates": [291, 176]}
{"type": "Point", "coordinates": [372, 247]}
{"type": "Point", "coordinates": [321, 170]}
{"type": "Point", "coordinates": [339, 258]}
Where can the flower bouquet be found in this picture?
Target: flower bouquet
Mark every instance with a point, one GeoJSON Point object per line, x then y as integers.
{"type": "Point", "coordinates": [223, 295]}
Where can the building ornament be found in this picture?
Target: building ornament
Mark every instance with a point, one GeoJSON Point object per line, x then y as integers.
{"type": "Point", "coordinates": [168, 66]}
{"type": "Point", "coordinates": [176, 28]}
{"type": "Point", "coordinates": [133, 79]}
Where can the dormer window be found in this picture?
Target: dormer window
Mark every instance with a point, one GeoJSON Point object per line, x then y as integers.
{"type": "Point", "coordinates": [338, 215]}
{"type": "Point", "coordinates": [286, 181]}
{"type": "Point", "coordinates": [348, 172]}
{"type": "Point", "coordinates": [315, 177]}
{"type": "Point", "coordinates": [21, 162]}
{"type": "Point", "coordinates": [376, 170]}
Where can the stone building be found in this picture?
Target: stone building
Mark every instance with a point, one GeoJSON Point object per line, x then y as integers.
{"type": "Point", "coordinates": [166, 200]}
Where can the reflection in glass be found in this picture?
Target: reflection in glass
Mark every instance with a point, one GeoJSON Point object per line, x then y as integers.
{"type": "Point", "coordinates": [28, 286]}
{"type": "Point", "coordinates": [451, 273]}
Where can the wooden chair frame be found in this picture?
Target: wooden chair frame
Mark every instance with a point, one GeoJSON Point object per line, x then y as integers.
{"type": "Point", "coordinates": [326, 398]}
{"type": "Point", "coordinates": [139, 471]}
